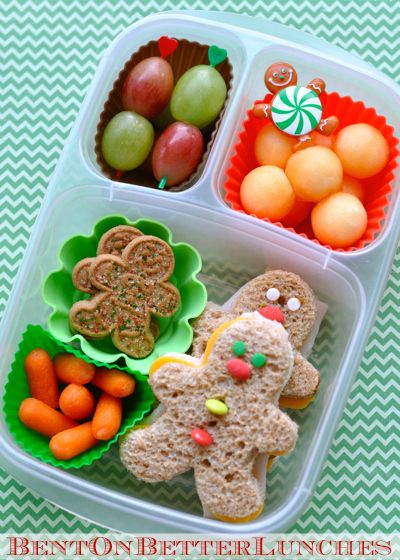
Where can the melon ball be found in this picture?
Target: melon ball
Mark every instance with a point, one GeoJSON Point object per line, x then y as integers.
{"type": "Point", "coordinates": [314, 173]}
{"type": "Point", "coordinates": [339, 220]}
{"type": "Point", "coordinates": [273, 147]}
{"type": "Point", "coordinates": [300, 211]}
{"type": "Point", "coordinates": [321, 140]}
{"type": "Point", "coordinates": [362, 149]}
{"type": "Point", "coordinates": [353, 186]}
{"type": "Point", "coordinates": [267, 193]}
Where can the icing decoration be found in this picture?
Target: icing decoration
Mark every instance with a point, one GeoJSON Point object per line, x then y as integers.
{"type": "Point", "coordinates": [258, 360]}
{"type": "Point", "coordinates": [296, 110]}
{"type": "Point", "coordinates": [166, 46]}
{"type": "Point", "coordinates": [238, 348]}
{"type": "Point", "coordinates": [293, 304]}
{"type": "Point", "coordinates": [272, 313]}
{"type": "Point", "coordinates": [238, 369]}
{"type": "Point", "coordinates": [273, 294]}
{"type": "Point", "coordinates": [216, 55]}
{"type": "Point", "coordinates": [201, 437]}
{"type": "Point", "coordinates": [217, 407]}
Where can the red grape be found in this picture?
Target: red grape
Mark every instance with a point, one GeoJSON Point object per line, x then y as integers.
{"type": "Point", "coordinates": [177, 153]}
{"type": "Point", "coordinates": [148, 87]}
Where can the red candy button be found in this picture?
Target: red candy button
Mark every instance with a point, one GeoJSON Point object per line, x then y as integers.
{"type": "Point", "coordinates": [238, 369]}
{"type": "Point", "coordinates": [272, 313]}
{"type": "Point", "coordinates": [201, 437]}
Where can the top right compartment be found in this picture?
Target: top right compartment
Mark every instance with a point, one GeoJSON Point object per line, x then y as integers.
{"type": "Point", "coordinates": [354, 95]}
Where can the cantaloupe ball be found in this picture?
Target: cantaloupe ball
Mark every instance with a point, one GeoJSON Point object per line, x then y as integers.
{"type": "Point", "coordinates": [314, 173]}
{"type": "Point", "coordinates": [339, 220]}
{"type": "Point", "coordinates": [300, 211]}
{"type": "Point", "coordinates": [353, 186]}
{"type": "Point", "coordinates": [362, 149]}
{"type": "Point", "coordinates": [267, 193]}
{"type": "Point", "coordinates": [321, 140]}
{"type": "Point", "coordinates": [273, 147]}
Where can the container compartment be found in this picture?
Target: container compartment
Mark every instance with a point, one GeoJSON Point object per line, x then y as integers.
{"type": "Point", "coordinates": [187, 55]}
{"type": "Point", "coordinates": [378, 188]}
{"type": "Point", "coordinates": [233, 252]}
{"type": "Point", "coordinates": [376, 106]}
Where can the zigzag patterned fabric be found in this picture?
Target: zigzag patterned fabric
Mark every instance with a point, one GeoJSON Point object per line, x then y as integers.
{"type": "Point", "coordinates": [49, 50]}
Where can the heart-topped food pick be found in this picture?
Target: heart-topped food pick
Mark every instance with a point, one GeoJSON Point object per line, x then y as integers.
{"type": "Point", "coordinates": [167, 45]}
{"type": "Point", "coordinates": [216, 55]}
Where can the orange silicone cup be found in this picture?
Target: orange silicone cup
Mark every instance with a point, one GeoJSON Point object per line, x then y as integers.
{"type": "Point", "coordinates": [378, 188]}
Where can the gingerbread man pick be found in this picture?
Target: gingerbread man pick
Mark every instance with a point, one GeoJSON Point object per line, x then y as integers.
{"type": "Point", "coordinates": [295, 110]}
{"type": "Point", "coordinates": [219, 416]}
{"type": "Point", "coordinates": [129, 289]}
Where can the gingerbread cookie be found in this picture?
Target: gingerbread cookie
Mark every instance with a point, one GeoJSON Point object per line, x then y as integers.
{"type": "Point", "coordinates": [129, 289]}
{"type": "Point", "coordinates": [295, 110]}
{"type": "Point", "coordinates": [281, 296]}
{"type": "Point", "coordinates": [220, 417]}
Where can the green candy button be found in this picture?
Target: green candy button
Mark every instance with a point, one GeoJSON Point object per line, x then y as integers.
{"type": "Point", "coordinates": [239, 348]}
{"type": "Point", "coordinates": [258, 360]}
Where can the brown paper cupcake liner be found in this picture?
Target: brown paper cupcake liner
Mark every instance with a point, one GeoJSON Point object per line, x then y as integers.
{"type": "Point", "coordinates": [187, 55]}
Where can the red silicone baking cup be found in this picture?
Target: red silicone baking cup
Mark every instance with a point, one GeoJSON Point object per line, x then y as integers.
{"type": "Point", "coordinates": [378, 188]}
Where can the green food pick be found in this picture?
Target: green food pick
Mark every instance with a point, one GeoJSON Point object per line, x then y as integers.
{"type": "Point", "coordinates": [162, 183]}
{"type": "Point", "coordinates": [216, 55]}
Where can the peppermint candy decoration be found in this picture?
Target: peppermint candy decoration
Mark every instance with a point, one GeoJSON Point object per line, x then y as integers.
{"type": "Point", "coordinates": [296, 110]}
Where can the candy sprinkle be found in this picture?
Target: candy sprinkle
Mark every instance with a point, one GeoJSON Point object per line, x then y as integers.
{"type": "Point", "coordinates": [217, 407]}
{"type": "Point", "coordinates": [238, 369]}
{"type": "Point", "coordinates": [201, 437]}
{"type": "Point", "coordinates": [258, 360]}
{"type": "Point", "coordinates": [239, 348]}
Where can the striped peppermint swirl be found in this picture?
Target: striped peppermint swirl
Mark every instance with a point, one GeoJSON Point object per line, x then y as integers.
{"type": "Point", "coordinates": [296, 110]}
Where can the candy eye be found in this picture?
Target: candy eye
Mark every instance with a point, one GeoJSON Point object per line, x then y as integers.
{"type": "Point", "coordinates": [275, 74]}
{"type": "Point", "coordinates": [283, 70]}
{"type": "Point", "coordinates": [273, 294]}
{"type": "Point", "coordinates": [258, 360]}
{"type": "Point", "coordinates": [293, 304]}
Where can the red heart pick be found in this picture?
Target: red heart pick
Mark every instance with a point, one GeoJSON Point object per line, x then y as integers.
{"type": "Point", "coordinates": [167, 46]}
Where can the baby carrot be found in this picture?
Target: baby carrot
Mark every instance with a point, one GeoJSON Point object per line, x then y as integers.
{"type": "Point", "coordinates": [114, 382]}
{"type": "Point", "coordinates": [73, 442]}
{"type": "Point", "coordinates": [41, 418]}
{"type": "Point", "coordinates": [107, 417]}
{"type": "Point", "coordinates": [77, 402]}
{"type": "Point", "coordinates": [70, 369]}
{"type": "Point", "coordinates": [41, 377]}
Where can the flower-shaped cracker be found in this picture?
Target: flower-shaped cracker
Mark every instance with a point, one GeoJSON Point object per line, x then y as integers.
{"type": "Point", "coordinates": [130, 289]}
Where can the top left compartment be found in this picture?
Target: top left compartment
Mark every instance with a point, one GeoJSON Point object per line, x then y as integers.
{"type": "Point", "coordinates": [104, 98]}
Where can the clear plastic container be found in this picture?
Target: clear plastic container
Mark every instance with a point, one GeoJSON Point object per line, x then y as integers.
{"type": "Point", "coordinates": [234, 247]}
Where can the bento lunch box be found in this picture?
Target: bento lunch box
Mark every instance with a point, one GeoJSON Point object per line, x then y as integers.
{"type": "Point", "coordinates": [234, 247]}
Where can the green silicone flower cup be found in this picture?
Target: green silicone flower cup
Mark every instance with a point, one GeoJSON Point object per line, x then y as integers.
{"type": "Point", "coordinates": [135, 409]}
{"type": "Point", "coordinates": [175, 332]}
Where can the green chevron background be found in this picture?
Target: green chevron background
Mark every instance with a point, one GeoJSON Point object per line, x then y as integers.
{"type": "Point", "coordinates": [48, 54]}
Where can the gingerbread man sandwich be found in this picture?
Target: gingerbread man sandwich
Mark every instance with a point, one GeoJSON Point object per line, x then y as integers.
{"type": "Point", "coordinates": [219, 416]}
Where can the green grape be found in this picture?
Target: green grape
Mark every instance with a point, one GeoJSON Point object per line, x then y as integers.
{"type": "Point", "coordinates": [198, 96]}
{"type": "Point", "coordinates": [127, 141]}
